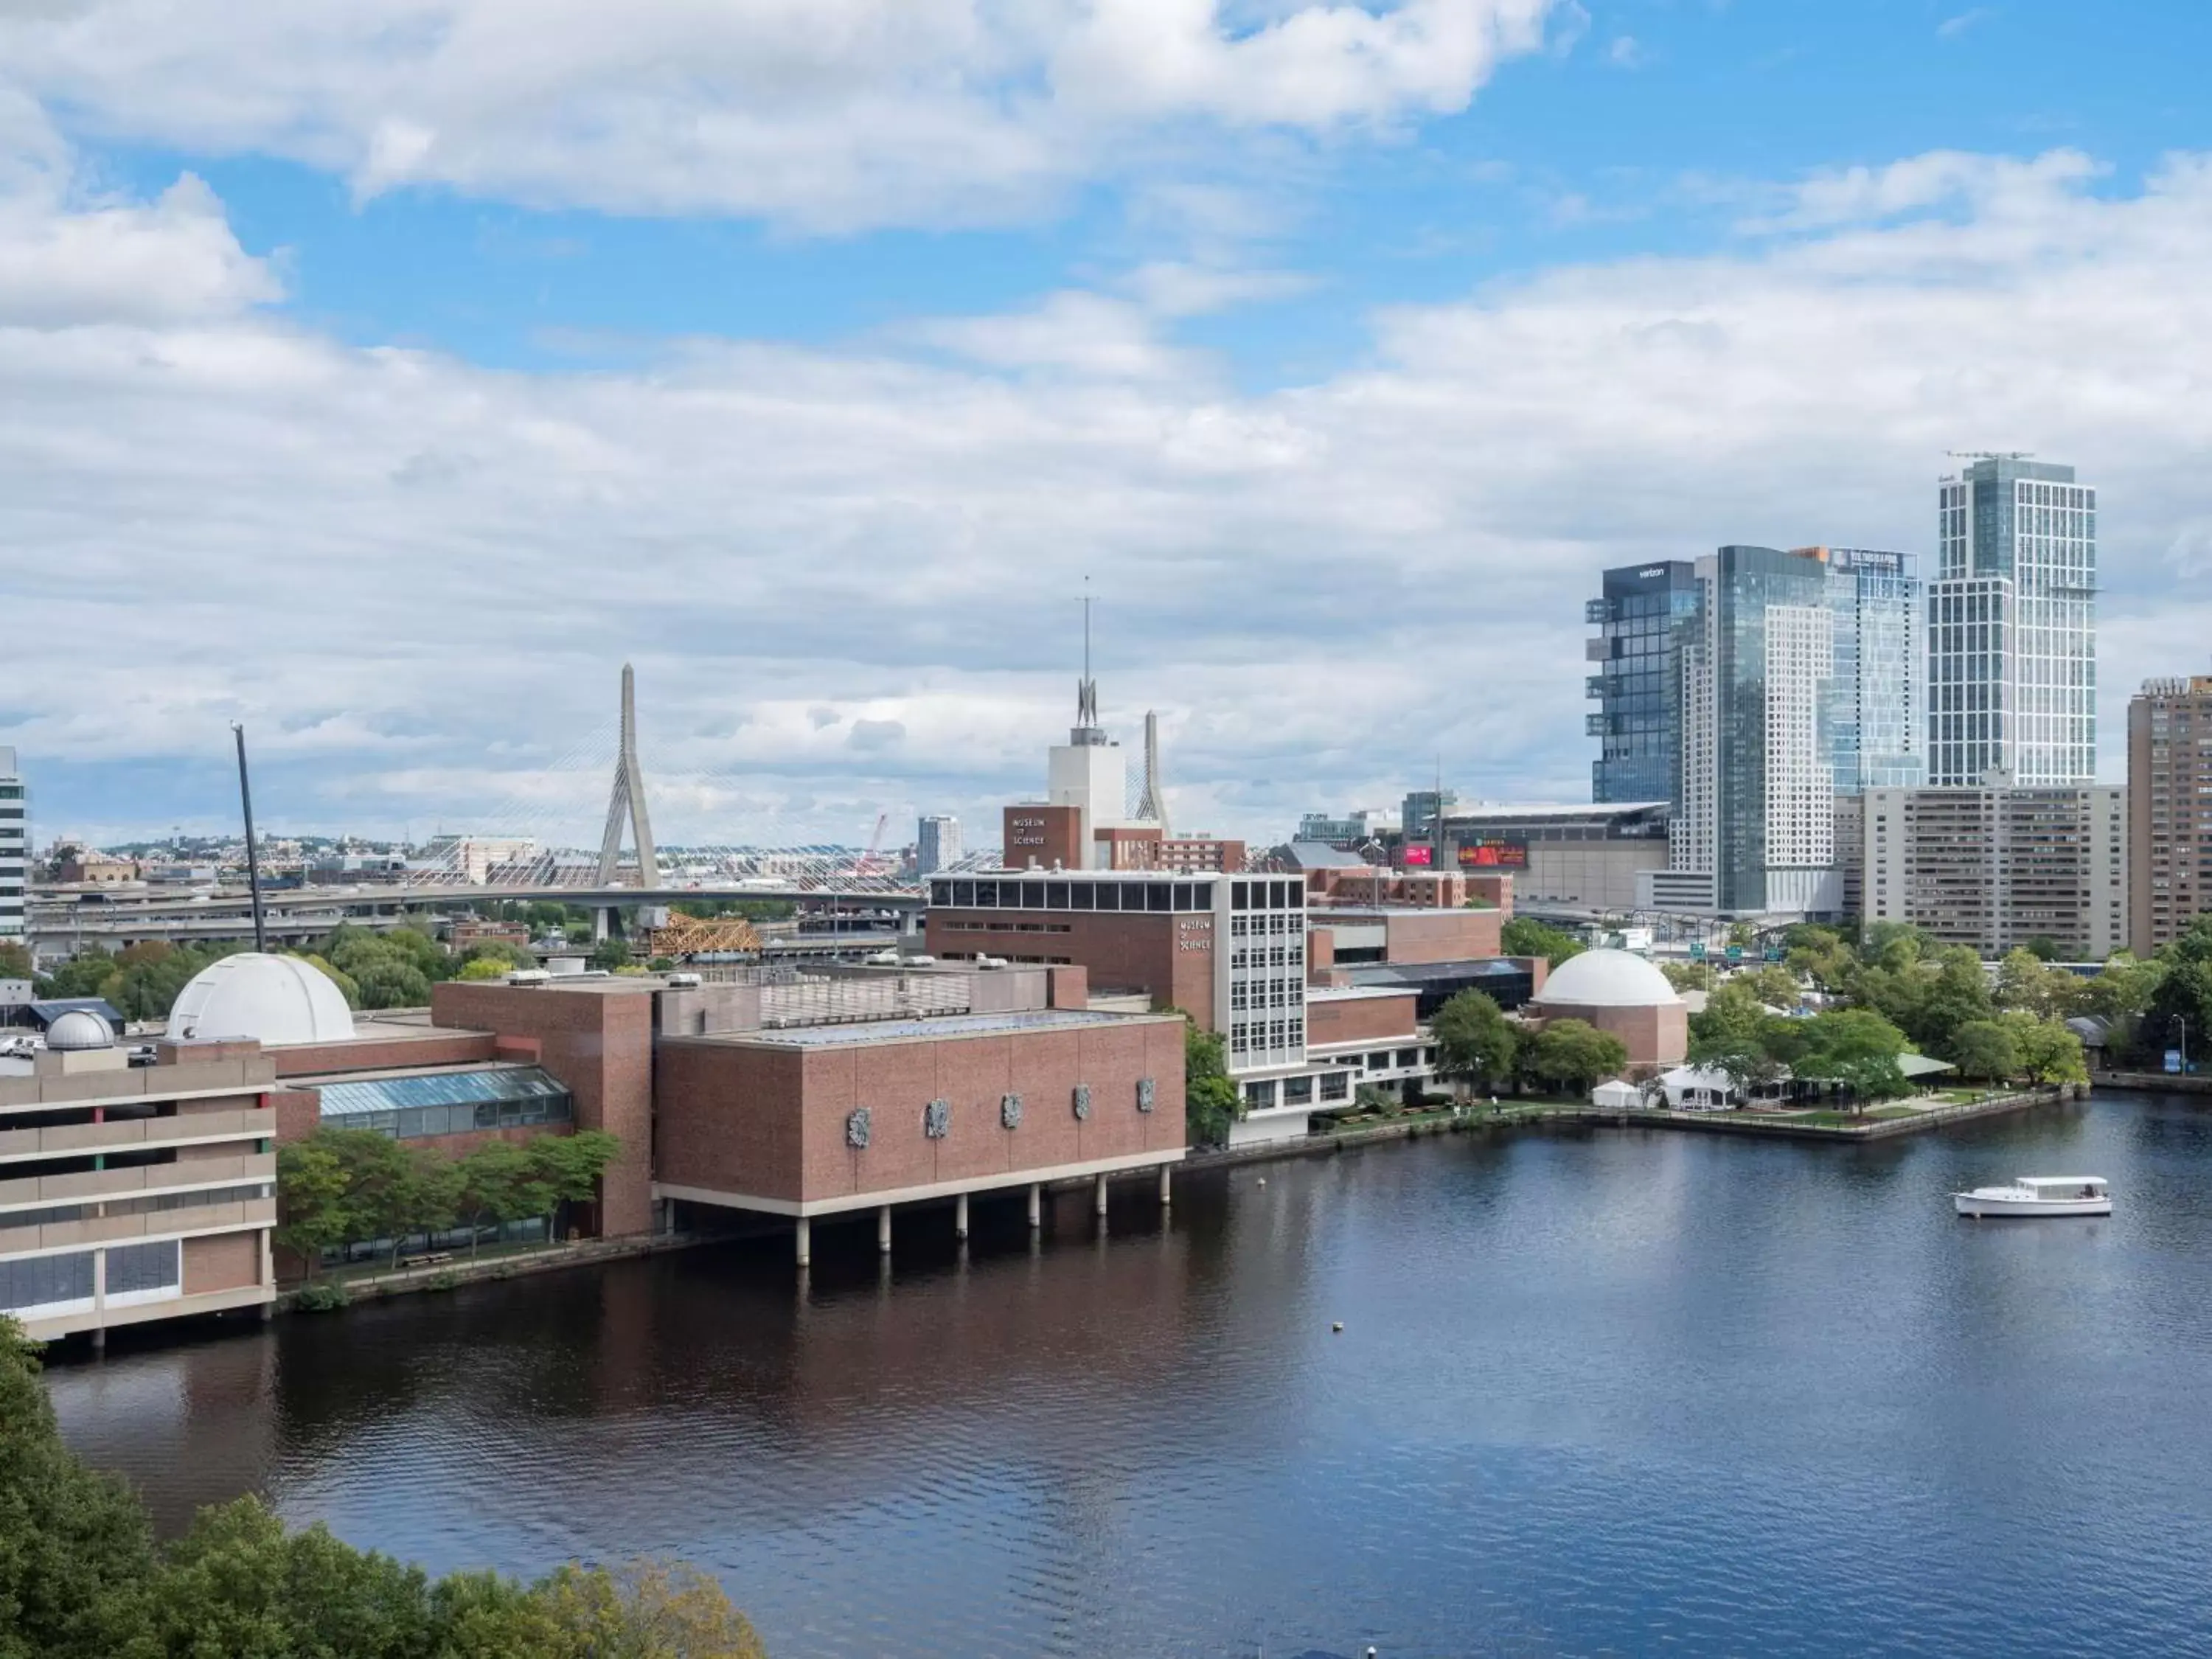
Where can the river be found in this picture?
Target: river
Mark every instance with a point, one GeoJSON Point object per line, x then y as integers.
{"type": "Point", "coordinates": [1601, 1392]}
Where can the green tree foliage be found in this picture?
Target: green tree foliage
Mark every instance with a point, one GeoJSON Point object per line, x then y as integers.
{"type": "Point", "coordinates": [15, 960]}
{"type": "Point", "coordinates": [81, 1578]}
{"type": "Point", "coordinates": [1476, 1044]}
{"type": "Point", "coordinates": [1984, 1049]}
{"type": "Point", "coordinates": [313, 1214]}
{"type": "Point", "coordinates": [1822, 956]}
{"type": "Point", "coordinates": [1523, 936]}
{"type": "Point", "coordinates": [346, 988]}
{"type": "Point", "coordinates": [1571, 1056]}
{"type": "Point", "coordinates": [502, 951]}
{"type": "Point", "coordinates": [501, 1183]}
{"type": "Point", "coordinates": [2048, 1051]}
{"type": "Point", "coordinates": [483, 968]}
{"type": "Point", "coordinates": [82, 975]}
{"type": "Point", "coordinates": [1210, 1101]}
{"type": "Point", "coordinates": [2024, 983]}
{"type": "Point", "coordinates": [1691, 975]}
{"type": "Point", "coordinates": [1854, 1049]}
{"type": "Point", "coordinates": [2181, 1004]}
{"type": "Point", "coordinates": [2042, 947]}
{"type": "Point", "coordinates": [569, 1166]}
{"type": "Point", "coordinates": [752, 909]}
{"type": "Point", "coordinates": [1774, 984]}
{"type": "Point", "coordinates": [610, 955]}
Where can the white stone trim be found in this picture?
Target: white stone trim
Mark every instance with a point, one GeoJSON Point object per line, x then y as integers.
{"type": "Point", "coordinates": [847, 1202]}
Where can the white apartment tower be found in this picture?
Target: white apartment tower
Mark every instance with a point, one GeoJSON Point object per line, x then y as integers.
{"type": "Point", "coordinates": [2012, 627]}
{"type": "Point", "coordinates": [936, 844]}
{"type": "Point", "coordinates": [14, 849]}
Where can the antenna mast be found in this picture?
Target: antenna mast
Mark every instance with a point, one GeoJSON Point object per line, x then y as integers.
{"type": "Point", "coordinates": [252, 856]}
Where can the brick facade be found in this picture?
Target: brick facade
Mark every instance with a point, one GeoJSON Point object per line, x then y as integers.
{"type": "Point", "coordinates": [1168, 955]}
{"type": "Point", "coordinates": [1333, 1020]}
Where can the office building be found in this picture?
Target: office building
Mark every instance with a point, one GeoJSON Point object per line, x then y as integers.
{"type": "Point", "coordinates": [1347, 829]}
{"type": "Point", "coordinates": [1418, 814]}
{"type": "Point", "coordinates": [936, 844]}
{"type": "Point", "coordinates": [1643, 619]}
{"type": "Point", "coordinates": [2000, 864]}
{"type": "Point", "coordinates": [1876, 699]}
{"type": "Point", "coordinates": [2169, 809]}
{"type": "Point", "coordinates": [14, 848]}
{"type": "Point", "coordinates": [134, 1192]}
{"type": "Point", "coordinates": [2011, 626]}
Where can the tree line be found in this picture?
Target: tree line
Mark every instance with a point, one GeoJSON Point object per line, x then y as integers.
{"type": "Point", "coordinates": [342, 1187]}
{"type": "Point", "coordinates": [1478, 1045]}
{"type": "Point", "coordinates": [81, 1576]}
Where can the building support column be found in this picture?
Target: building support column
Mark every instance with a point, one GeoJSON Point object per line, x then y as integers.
{"type": "Point", "coordinates": [802, 1243]}
{"type": "Point", "coordinates": [1098, 1196]}
{"type": "Point", "coordinates": [1166, 1185]}
{"type": "Point", "coordinates": [1036, 1205]}
{"type": "Point", "coordinates": [960, 1216]}
{"type": "Point", "coordinates": [883, 1230]}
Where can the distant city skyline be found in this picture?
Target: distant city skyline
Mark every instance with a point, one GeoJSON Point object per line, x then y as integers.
{"type": "Point", "coordinates": [391, 421]}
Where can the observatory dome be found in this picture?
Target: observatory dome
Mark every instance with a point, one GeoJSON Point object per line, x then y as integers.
{"type": "Point", "coordinates": [1606, 979]}
{"type": "Point", "coordinates": [275, 1000]}
{"type": "Point", "coordinates": [79, 1028]}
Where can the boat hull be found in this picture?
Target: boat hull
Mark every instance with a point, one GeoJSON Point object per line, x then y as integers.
{"type": "Point", "coordinates": [1976, 1205]}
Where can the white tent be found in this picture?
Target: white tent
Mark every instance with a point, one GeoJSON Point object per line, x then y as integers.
{"type": "Point", "coordinates": [1696, 1089]}
{"type": "Point", "coordinates": [1616, 1095]}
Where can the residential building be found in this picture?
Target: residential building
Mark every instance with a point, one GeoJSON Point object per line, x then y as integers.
{"type": "Point", "coordinates": [2001, 864]}
{"type": "Point", "coordinates": [472, 859]}
{"type": "Point", "coordinates": [84, 867]}
{"type": "Point", "coordinates": [14, 848]}
{"type": "Point", "coordinates": [1796, 679]}
{"type": "Point", "coordinates": [2011, 626]}
{"type": "Point", "coordinates": [1643, 618]}
{"type": "Point", "coordinates": [936, 844]}
{"type": "Point", "coordinates": [2169, 809]}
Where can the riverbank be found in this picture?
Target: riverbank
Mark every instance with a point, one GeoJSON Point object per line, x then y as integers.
{"type": "Point", "coordinates": [2162, 1083]}
{"type": "Point", "coordinates": [379, 1285]}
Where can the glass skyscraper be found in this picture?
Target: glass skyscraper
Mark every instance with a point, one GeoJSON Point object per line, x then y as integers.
{"type": "Point", "coordinates": [2011, 626]}
{"type": "Point", "coordinates": [1785, 679]}
{"type": "Point", "coordinates": [1642, 621]}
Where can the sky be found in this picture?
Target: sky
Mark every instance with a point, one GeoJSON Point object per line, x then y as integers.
{"type": "Point", "coordinates": [384, 374]}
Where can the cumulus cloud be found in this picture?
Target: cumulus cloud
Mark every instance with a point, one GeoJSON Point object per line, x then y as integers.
{"type": "Point", "coordinates": [821, 114]}
{"type": "Point", "coordinates": [847, 575]}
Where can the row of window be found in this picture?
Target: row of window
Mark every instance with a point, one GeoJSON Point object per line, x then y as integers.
{"type": "Point", "coordinates": [414, 1121]}
{"type": "Point", "coordinates": [44, 1284]}
{"type": "Point", "coordinates": [1252, 1037]}
{"type": "Point", "coordinates": [148, 1205]}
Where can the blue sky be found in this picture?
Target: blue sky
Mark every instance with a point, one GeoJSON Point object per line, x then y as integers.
{"type": "Point", "coordinates": [385, 374]}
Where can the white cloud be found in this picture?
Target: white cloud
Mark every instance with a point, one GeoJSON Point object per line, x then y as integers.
{"type": "Point", "coordinates": [1952, 28]}
{"type": "Point", "coordinates": [1992, 186]}
{"type": "Point", "coordinates": [420, 577]}
{"type": "Point", "coordinates": [820, 114]}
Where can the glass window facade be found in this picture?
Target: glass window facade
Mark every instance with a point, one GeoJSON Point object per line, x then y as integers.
{"type": "Point", "coordinates": [448, 1103]}
{"type": "Point", "coordinates": [1643, 618]}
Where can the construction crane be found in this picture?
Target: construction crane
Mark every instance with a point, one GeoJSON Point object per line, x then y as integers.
{"type": "Point", "coordinates": [871, 859]}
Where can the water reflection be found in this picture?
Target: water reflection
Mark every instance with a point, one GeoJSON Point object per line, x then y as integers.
{"type": "Point", "coordinates": [1596, 1393]}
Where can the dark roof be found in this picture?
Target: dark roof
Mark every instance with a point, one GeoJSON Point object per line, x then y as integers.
{"type": "Point", "coordinates": [1319, 855]}
{"type": "Point", "coordinates": [46, 1013]}
{"type": "Point", "coordinates": [1415, 974]}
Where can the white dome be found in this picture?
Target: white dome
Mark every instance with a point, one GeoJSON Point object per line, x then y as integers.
{"type": "Point", "coordinates": [80, 1028]}
{"type": "Point", "coordinates": [1606, 979]}
{"type": "Point", "coordinates": [276, 999]}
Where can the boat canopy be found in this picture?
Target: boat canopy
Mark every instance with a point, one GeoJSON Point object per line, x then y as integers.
{"type": "Point", "coordinates": [2041, 1182]}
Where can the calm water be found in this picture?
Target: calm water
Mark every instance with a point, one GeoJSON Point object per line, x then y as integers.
{"type": "Point", "coordinates": [1605, 1393]}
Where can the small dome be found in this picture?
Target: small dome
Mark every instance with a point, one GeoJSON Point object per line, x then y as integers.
{"type": "Point", "coordinates": [80, 1028]}
{"type": "Point", "coordinates": [275, 1000]}
{"type": "Point", "coordinates": [1606, 979]}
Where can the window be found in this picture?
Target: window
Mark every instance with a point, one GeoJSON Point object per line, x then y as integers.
{"type": "Point", "coordinates": [143, 1272]}
{"type": "Point", "coordinates": [1082, 896]}
{"type": "Point", "coordinates": [1298, 1091]}
{"type": "Point", "coordinates": [46, 1283]}
{"type": "Point", "coordinates": [1157, 895]}
{"type": "Point", "coordinates": [1259, 1096]}
{"type": "Point", "coordinates": [1336, 1085]}
{"type": "Point", "coordinates": [1378, 1062]}
{"type": "Point", "coordinates": [1409, 1056]}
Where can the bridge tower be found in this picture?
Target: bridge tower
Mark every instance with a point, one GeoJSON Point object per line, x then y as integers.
{"type": "Point", "coordinates": [628, 801]}
{"type": "Point", "coordinates": [1153, 808]}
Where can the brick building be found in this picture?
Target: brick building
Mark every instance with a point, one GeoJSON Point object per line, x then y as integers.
{"type": "Point", "coordinates": [2169, 805]}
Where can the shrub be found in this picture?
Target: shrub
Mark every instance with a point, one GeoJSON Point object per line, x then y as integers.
{"type": "Point", "coordinates": [320, 1298]}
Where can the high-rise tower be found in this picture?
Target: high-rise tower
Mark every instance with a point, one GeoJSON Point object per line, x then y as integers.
{"type": "Point", "coordinates": [2012, 625]}
{"type": "Point", "coordinates": [14, 848]}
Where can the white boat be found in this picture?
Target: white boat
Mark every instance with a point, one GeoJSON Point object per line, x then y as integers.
{"type": "Point", "coordinates": [2039, 1196]}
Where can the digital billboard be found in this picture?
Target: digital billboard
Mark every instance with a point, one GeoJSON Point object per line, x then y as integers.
{"type": "Point", "coordinates": [1493, 856]}
{"type": "Point", "coordinates": [1417, 853]}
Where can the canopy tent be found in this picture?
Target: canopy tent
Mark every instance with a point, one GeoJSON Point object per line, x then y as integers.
{"type": "Point", "coordinates": [1616, 1095]}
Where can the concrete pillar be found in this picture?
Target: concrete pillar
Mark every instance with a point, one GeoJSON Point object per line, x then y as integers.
{"type": "Point", "coordinates": [883, 1229]}
{"type": "Point", "coordinates": [1036, 1205]}
{"type": "Point", "coordinates": [960, 1216]}
{"type": "Point", "coordinates": [1166, 1185]}
{"type": "Point", "coordinates": [802, 1243]}
{"type": "Point", "coordinates": [603, 921]}
{"type": "Point", "coordinates": [99, 1339]}
{"type": "Point", "coordinates": [1098, 1196]}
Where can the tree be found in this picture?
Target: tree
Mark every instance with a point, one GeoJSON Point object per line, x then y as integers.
{"type": "Point", "coordinates": [610, 954]}
{"type": "Point", "coordinates": [1524, 936]}
{"type": "Point", "coordinates": [82, 975]}
{"type": "Point", "coordinates": [484, 968]}
{"type": "Point", "coordinates": [1691, 975]}
{"type": "Point", "coordinates": [649, 1609]}
{"type": "Point", "coordinates": [1210, 1101]}
{"type": "Point", "coordinates": [500, 1184]}
{"type": "Point", "coordinates": [2042, 947]}
{"type": "Point", "coordinates": [350, 990]}
{"type": "Point", "coordinates": [1475, 1043]}
{"type": "Point", "coordinates": [2048, 1051]}
{"type": "Point", "coordinates": [1985, 1048]}
{"type": "Point", "coordinates": [313, 1213]}
{"type": "Point", "coordinates": [2180, 1012]}
{"type": "Point", "coordinates": [2024, 982]}
{"type": "Point", "coordinates": [15, 961]}
{"type": "Point", "coordinates": [1774, 984]}
{"type": "Point", "coordinates": [1820, 955]}
{"type": "Point", "coordinates": [570, 1166]}
{"type": "Point", "coordinates": [1571, 1056]}
{"type": "Point", "coordinates": [390, 982]}
{"type": "Point", "coordinates": [1854, 1048]}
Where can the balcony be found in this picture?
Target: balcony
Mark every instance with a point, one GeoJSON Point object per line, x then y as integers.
{"type": "Point", "coordinates": [152, 1224]}
{"type": "Point", "coordinates": [90, 1186]}
{"type": "Point", "coordinates": [1594, 686]}
{"type": "Point", "coordinates": [79, 1139]}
